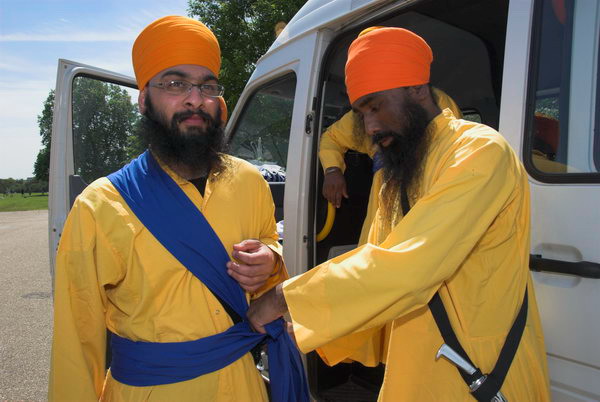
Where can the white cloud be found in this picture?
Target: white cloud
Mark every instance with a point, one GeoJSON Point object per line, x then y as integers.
{"type": "Point", "coordinates": [74, 36]}
{"type": "Point", "coordinates": [25, 67]}
{"type": "Point", "coordinates": [20, 104]}
{"type": "Point", "coordinates": [28, 61]}
{"type": "Point", "coordinates": [17, 156]}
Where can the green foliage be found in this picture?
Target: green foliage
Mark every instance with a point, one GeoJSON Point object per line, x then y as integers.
{"type": "Point", "coordinates": [548, 107]}
{"type": "Point", "coordinates": [104, 134]}
{"type": "Point", "coordinates": [42, 162]}
{"type": "Point", "coordinates": [263, 134]}
{"type": "Point", "coordinates": [245, 30]}
{"type": "Point", "coordinates": [103, 121]}
{"type": "Point", "coordinates": [136, 142]}
{"type": "Point", "coordinates": [20, 186]}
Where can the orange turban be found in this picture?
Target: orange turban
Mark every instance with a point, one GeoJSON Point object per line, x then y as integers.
{"type": "Point", "coordinates": [174, 40]}
{"type": "Point", "coordinates": [386, 58]}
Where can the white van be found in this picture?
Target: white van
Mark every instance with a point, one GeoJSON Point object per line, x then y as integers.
{"type": "Point", "coordinates": [530, 68]}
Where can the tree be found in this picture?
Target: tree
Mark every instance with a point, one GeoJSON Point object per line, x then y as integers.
{"type": "Point", "coordinates": [42, 162]}
{"type": "Point", "coordinates": [103, 126]}
{"type": "Point", "coordinates": [245, 29]}
{"type": "Point", "coordinates": [103, 121]}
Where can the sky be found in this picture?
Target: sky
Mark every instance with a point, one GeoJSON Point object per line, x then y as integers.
{"type": "Point", "coordinates": [35, 34]}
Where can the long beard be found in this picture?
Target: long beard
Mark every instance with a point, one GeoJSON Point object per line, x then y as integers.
{"type": "Point", "coordinates": [403, 158]}
{"type": "Point", "coordinates": [198, 149]}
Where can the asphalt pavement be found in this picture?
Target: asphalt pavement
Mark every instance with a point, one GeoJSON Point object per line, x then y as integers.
{"type": "Point", "coordinates": [25, 306]}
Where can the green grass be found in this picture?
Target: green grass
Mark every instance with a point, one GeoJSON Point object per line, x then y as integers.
{"type": "Point", "coordinates": [18, 202]}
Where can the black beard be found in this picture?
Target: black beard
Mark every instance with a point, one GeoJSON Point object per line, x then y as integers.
{"type": "Point", "coordinates": [403, 158]}
{"type": "Point", "coordinates": [199, 149]}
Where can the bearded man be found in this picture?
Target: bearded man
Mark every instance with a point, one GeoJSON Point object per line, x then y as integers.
{"type": "Point", "coordinates": [450, 239]}
{"type": "Point", "coordinates": [146, 253]}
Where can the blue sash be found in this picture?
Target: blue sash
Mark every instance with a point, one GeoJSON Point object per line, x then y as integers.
{"type": "Point", "coordinates": [174, 220]}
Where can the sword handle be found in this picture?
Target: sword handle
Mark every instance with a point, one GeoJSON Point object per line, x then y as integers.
{"type": "Point", "coordinates": [457, 359]}
{"type": "Point", "coordinates": [499, 397]}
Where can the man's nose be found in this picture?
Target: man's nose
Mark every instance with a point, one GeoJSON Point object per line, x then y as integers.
{"type": "Point", "coordinates": [372, 125]}
{"type": "Point", "coordinates": [194, 98]}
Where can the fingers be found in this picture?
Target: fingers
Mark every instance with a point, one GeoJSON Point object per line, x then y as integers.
{"type": "Point", "coordinates": [250, 278]}
{"type": "Point", "coordinates": [247, 245]}
{"type": "Point", "coordinates": [255, 315]}
{"type": "Point", "coordinates": [253, 252]}
{"type": "Point", "coordinates": [254, 265]}
{"type": "Point", "coordinates": [339, 193]}
{"type": "Point", "coordinates": [337, 199]}
{"type": "Point", "coordinates": [334, 188]}
{"type": "Point", "coordinates": [332, 195]}
{"type": "Point", "coordinates": [251, 258]}
{"type": "Point", "coordinates": [264, 310]}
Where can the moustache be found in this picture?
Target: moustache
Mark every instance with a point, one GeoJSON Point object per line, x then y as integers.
{"type": "Point", "coordinates": [378, 137]}
{"type": "Point", "coordinates": [181, 116]}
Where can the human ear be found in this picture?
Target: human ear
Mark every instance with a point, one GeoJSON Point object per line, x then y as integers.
{"type": "Point", "coordinates": [419, 92]}
{"type": "Point", "coordinates": [142, 100]}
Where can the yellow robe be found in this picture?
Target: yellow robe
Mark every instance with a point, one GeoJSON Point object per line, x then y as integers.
{"type": "Point", "coordinates": [466, 236]}
{"type": "Point", "coordinates": [112, 273]}
{"type": "Point", "coordinates": [339, 138]}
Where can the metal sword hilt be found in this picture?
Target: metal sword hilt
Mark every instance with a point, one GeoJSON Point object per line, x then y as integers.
{"type": "Point", "coordinates": [468, 368]}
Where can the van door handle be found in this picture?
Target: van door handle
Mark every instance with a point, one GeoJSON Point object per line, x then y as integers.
{"type": "Point", "coordinates": [584, 269]}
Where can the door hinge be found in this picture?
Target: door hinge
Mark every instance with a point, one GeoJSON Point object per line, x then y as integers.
{"type": "Point", "coordinates": [308, 126]}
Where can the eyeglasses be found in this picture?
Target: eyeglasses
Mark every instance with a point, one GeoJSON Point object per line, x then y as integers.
{"type": "Point", "coordinates": [181, 87]}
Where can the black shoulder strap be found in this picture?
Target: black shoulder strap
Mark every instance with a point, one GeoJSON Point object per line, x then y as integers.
{"type": "Point", "coordinates": [495, 379]}
{"type": "Point", "coordinates": [490, 387]}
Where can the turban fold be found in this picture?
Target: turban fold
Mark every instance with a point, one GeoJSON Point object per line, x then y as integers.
{"type": "Point", "coordinates": [174, 40]}
{"type": "Point", "coordinates": [386, 58]}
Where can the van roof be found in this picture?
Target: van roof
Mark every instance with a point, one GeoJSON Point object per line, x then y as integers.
{"type": "Point", "coordinates": [317, 13]}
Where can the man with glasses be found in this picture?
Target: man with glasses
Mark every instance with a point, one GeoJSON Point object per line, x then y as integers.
{"type": "Point", "coordinates": [163, 255]}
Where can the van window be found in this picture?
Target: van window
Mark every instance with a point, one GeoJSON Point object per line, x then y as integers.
{"type": "Point", "coordinates": [261, 135]}
{"type": "Point", "coordinates": [471, 115]}
{"type": "Point", "coordinates": [563, 120]}
{"type": "Point", "coordinates": [104, 122]}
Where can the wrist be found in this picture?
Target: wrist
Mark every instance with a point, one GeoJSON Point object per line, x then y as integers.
{"type": "Point", "coordinates": [333, 169]}
{"type": "Point", "coordinates": [280, 302]}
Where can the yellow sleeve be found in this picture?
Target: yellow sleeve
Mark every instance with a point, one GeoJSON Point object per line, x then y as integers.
{"type": "Point", "coordinates": [365, 347]}
{"type": "Point", "coordinates": [372, 285]}
{"type": "Point", "coordinates": [444, 101]}
{"type": "Point", "coordinates": [339, 138]}
{"type": "Point", "coordinates": [78, 355]}
{"type": "Point", "coordinates": [270, 237]}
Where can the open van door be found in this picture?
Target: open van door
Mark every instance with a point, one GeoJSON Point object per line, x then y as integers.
{"type": "Point", "coordinates": [551, 115]}
{"type": "Point", "coordinates": [84, 146]}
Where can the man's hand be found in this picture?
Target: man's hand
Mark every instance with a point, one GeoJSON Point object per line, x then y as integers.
{"type": "Point", "coordinates": [267, 308]}
{"type": "Point", "coordinates": [256, 263]}
{"type": "Point", "coordinates": [334, 186]}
